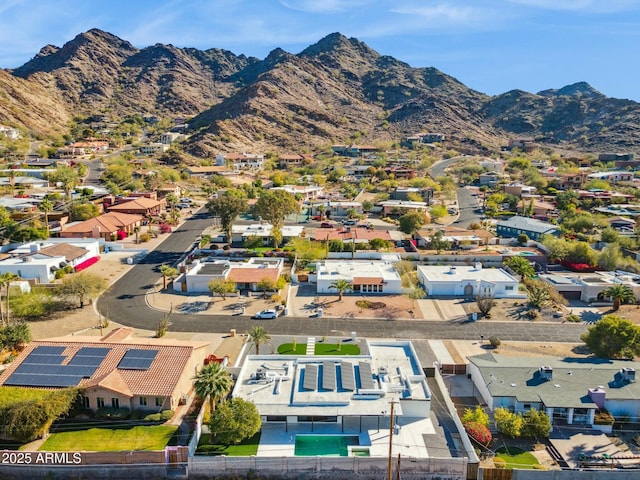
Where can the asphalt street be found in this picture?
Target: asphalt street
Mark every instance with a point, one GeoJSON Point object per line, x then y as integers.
{"type": "Point", "coordinates": [125, 303]}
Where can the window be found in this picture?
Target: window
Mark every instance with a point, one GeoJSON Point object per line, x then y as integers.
{"type": "Point", "coordinates": [143, 401]}
{"type": "Point", "coordinates": [159, 401]}
{"type": "Point", "coordinates": [509, 287]}
{"type": "Point", "coordinates": [85, 402]}
{"type": "Point", "coordinates": [115, 402]}
{"type": "Point", "coordinates": [100, 402]}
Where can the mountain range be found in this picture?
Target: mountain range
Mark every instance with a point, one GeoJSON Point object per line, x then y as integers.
{"type": "Point", "coordinates": [335, 91]}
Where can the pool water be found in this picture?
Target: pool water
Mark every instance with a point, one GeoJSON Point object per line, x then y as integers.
{"type": "Point", "coordinates": [324, 445]}
{"type": "Point", "coordinates": [526, 254]}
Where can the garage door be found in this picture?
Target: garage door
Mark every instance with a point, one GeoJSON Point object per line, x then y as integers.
{"type": "Point", "coordinates": [570, 295]}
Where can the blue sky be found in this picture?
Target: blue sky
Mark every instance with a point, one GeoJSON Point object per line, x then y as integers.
{"type": "Point", "coordinates": [492, 46]}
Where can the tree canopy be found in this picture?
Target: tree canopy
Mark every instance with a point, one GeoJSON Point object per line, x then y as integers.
{"type": "Point", "coordinates": [235, 421]}
{"type": "Point", "coordinates": [214, 382]}
{"type": "Point", "coordinates": [613, 337]}
{"type": "Point", "coordinates": [81, 286]}
{"type": "Point", "coordinates": [227, 207]}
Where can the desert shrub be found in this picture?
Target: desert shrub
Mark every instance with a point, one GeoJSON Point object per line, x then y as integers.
{"type": "Point", "coordinates": [144, 238]}
{"type": "Point", "coordinates": [164, 228]}
{"type": "Point", "coordinates": [499, 462]}
{"type": "Point", "coordinates": [495, 341]}
{"type": "Point", "coordinates": [573, 318]}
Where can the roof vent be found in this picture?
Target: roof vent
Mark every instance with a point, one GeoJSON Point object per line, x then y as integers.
{"type": "Point", "coordinates": [629, 374]}
{"type": "Point", "coordinates": [383, 370]}
{"type": "Point", "coordinates": [546, 372]}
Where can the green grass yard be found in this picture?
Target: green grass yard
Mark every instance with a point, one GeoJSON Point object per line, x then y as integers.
{"type": "Point", "coordinates": [246, 448]}
{"type": "Point", "coordinates": [320, 349]}
{"type": "Point", "coordinates": [110, 440]}
{"type": "Point", "coordinates": [517, 458]}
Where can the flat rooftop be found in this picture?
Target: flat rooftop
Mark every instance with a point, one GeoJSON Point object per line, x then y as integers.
{"type": "Point", "coordinates": [446, 273]}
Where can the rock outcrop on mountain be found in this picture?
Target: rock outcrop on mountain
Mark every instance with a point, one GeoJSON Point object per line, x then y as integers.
{"type": "Point", "coordinates": [337, 90]}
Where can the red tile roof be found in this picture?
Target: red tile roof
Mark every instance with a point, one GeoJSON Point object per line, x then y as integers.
{"type": "Point", "coordinates": [252, 275]}
{"type": "Point", "coordinates": [354, 232]}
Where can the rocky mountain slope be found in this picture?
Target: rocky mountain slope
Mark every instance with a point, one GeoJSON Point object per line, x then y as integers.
{"type": "Point", "coordinates": [337, 90]}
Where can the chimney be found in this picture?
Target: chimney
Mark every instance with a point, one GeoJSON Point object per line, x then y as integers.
{"type": "Point", "coordinates": [597, 395]}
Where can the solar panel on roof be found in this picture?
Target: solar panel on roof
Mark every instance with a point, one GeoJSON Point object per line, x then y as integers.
{"type": "Point", "coordinates": [347, 375]}
{"type": "Point", "coordinates": [137, 359]}
{"type": "Point", "coordinates": [44, 359]}
{"type": "Point", "coordinates": [310, 377]}
{"type": "Point", "coordinates": [329, 375]}
{"type": "Point", "coordinates": [86, 361]}
{"type": "Point", "coordinates": [48, 350]}
{"type": "Point", "coordinates": [92, 352]}
{"type": "Point", "coordinates": [38, 380]}
{"type": "Point", "coordinates": [366, 376]}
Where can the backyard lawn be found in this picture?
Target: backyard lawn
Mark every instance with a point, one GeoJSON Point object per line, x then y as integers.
{"type": "Point", "coordinates": [516, 458]}
{"type": "Point", "coordinates": [109, 440]}
{"type": "Point", "coordinates": [320, 349]}
{"type": "Point", "coordinates": [246, 448]}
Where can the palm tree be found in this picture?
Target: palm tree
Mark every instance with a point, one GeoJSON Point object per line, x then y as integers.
{"type": "Point", "coordinates": [167, 271]}
{"type": "Point", "coordinates": [212, 382]}
{"type": "Point", "coordinates": [259, 335]}
{"type": "Point", "coordinates": [5, 281]}
{"type": "Point", "coordinates": [619, 294]}
{"type": "Point", "coordinates": [46, 206]}
{"type": "Point", "coordinates": [342, 286]}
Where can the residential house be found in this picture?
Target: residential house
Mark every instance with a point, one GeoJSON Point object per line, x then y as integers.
{"type": "Point", "coordinates": [622, 223]}
{"type": "Point", "coordinates": [245, 274]}
{"type": "Point", "coordinates": [153, 148]}
{"type": "Point", "coordinates": [535, 207]}
{"type": "Point", "coordinates": [116, 370]}
{"type": "Point", "coordinates": [400, 207]}
{"type": "Point", "coordinates": [241, 161]}
{"type": "Point", "coordinates": [354, 150]}
{"type": "Point", "coordinates": [336, 209]}
{"type": "Point", "coordinates": [364, 276]}
{"type": "Point", "coordinates": [304, 192]}
{"type": "Point", "coordinates": [589, 287]}
{"type": "Point", "coordinates": [412, 141]}
{"type": "Point", "coordinates": [402, 193]}
{"type": "Point", "coordinates": [568, 390]}
{"type": "Point", "coordinates": [399, 172]}
{"type": "Point", "coordinates": [532, 228]}
{"type": "Point", "coordinates": [298, 396]}
{"type": "Point", "coordinates": [572, 180]}
{"type": "Point", "coordinates": [90, 145]}
{"type": "Point", "coordinates": [139, 206]}
{"type": "Point", "coordinates": [456, 236]}
{"type": "Point", "coordinates": [519, 189]}
{"type": "Point", "coordinates": [168, 138]}
{"type": "Point", "coordinates": [240, 233]}
{"type": "Point", "coordinates": [492, 165]}
{"type": "Point", "coordinates": [468, 281]}
{"type": "Point", "coordinates": [290, 161]}
{"type": "Point", "coordinates": [350, 234]}
{"type": "Point", "coordinates": [489, 179]}
{"type": "Point", "coordinates": [612, 177]}
{"type": "Point", "coordinates": [525, 144]}
{"type": "Point", "coordinates": [104, 226]}
{"type": "Point", "coordinates": [616, 157]}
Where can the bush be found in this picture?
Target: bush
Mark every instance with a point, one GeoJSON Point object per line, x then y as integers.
{"type": "Point", "coordinates": [495, 341]}
{"type": "Point", "coordinates": [499, 462]}
{"type": "Point", "coordinates": [144, 238]}
{"type": "Point", "coordinates": [573, 318]}
{"type": "Point", "coordinates": [159, 417]}
{"type": "Point", "coordinates": [113, 413]}
{"type": "Point", "coordinates": [164, 228]}
{"type": "Point", "coordinates": [479, 433]}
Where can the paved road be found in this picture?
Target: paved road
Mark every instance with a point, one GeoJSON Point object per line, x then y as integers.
{"type": "Point", "coordinates": [125, 303]}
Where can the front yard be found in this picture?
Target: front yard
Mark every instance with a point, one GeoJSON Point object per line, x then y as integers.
{"type": "Point", "coordinates": [109, 439]}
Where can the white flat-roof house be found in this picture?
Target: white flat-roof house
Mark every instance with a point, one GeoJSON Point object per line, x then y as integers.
{"type": "Point", "coordinates": [365, 276]}
{"type": "Point", "coordinates": [306, 192]}
{"type": "Point", "coordinates": [588, 287]}
{"type": "Point", "coordinates": [347, 395]}
{"type": "Point", "coordinates": [467, 281]}
{"type": "Point", "coordinates": [240, 233]}
{"type": "Point", "coordinates": [245, 274]}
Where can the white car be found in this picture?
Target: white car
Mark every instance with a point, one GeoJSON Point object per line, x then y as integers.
{"type": "Point", "coordinates": [266, 314]}
{"type": "Point", "coordinates": [186, 200]}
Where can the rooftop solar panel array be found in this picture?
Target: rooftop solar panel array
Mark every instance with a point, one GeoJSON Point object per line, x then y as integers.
{"type": "Point", "coordinates": [347, 375]}
{"type": "Point", "coordinates": [328, 375]}
{"type": "Point", "coordinates": [310, 377]}
{"type": "Point", "coordinates": [366, 376]}
{"type": "Point", "coordinates": [137, 359]}
{"type": "Point", "coordinates": [43, 367]}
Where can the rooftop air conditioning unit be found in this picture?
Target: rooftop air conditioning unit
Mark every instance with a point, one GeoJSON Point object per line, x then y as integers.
{"type": "Point", "coordinates": [628, 374]}
{"type": "Point", "coordinates": [546, 372]}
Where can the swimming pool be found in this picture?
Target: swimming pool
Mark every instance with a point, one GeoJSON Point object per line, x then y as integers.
{"type": "Point", "coordinates": [324, 445]}
{"type": "Point", "coordinates": [526, 254]}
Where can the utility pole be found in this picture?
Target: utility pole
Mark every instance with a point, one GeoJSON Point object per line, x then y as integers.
{"type": "Point", "coordinates": [390, 466]}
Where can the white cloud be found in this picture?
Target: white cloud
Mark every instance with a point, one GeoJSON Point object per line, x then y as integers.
{"type": "Point", "coordinates": [587, 6]}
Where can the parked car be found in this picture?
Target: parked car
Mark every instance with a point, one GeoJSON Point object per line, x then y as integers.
{"type": "Point", "coordinates": [326, 225]}
{"type": "Point", "coordinates": [266, 314]}
{"type": "Point", "coordinates": [182, 205]}
{"type": "Point", "coordinates": [186, 200]}
{"type": "Point", "coordinates": [349, 222]}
